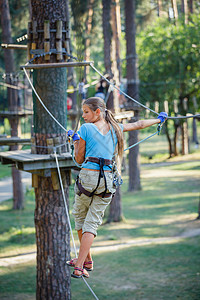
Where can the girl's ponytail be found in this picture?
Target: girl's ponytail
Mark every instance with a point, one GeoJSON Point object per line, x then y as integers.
{"type": "Point", "coordinates": [109, 117]}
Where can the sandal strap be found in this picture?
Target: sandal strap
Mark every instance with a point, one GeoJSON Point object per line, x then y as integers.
{"type": "Point", "coordinates": [72, 260]}
{"type": "Point", "coordinates": [88, 263]}
{"type": "Point", "coordinates": [78, 269]}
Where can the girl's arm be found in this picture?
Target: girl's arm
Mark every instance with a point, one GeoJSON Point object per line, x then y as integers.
{"type": "Point", "coordinates": [141, 124]}
{"type": "Point", "coordinates": [79, 150]}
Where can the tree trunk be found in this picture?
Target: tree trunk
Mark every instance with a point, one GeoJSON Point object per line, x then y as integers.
{"type": "Point", "coordinates": [52, 230]}
{"type": "Point", "coordinates": [88, 32]}
{"type": "Point", "coordinates": [134, 161]}
{"type": "Point", "coordinates": [175, 10]}
{"type": "Point", "coordinates": [159, 8]}
{"type": "Point", "coordinates": [185, 141]}
{"type": "Point", "coordinates": [115, 209]}
{"type": "Point", "coordinates": [107, 35]}
{"type": "Point", "coordinates": [194, 132]}
{"type": "Point", "coordinates": [110, 60]}
{"type": "Point", "coordinates": [169, 142]}
{"type": "Point", "coordinates": [191, 6]}
{"type": "Point", "coordinates": [108, 50]}
{"type": "Point", "coordinates": [176, 130]}
{"type": "Point", "coordinates": [185, 10]}
{"type": "Point", "coordinates": [132, 90]}
{"type": "Point", "coordinates": [116, 32]}
{"type": "Point", "coordinates": [12, 97]}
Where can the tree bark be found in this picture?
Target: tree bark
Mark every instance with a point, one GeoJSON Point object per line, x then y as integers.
{"type": "Point", "coordinates": [52, 230]}
{"type": "Point", "coordinates": [116, 32]}
{"type": "Point", "coordinates": [175, 10]}
{"type": "Point", "coordinates": [134, 160]}
{"type": "Point", "coordinates": [88, 32]}
{"type": "Point", "coordinates": [191, 6]}
{"type": "Point", "coordinates": [185, 141]}
{"type": "Point", "coordinates": [115, 208]}
{"type": "Point", "coordinates": [169, 142]}
{"type": "Point", "coordinates": [110, 34]}
{"type": "Point", "coordinates": [12, 97]}
{"type": "Point", "coordinates": [133, 91]}
{"type": "Point", "coordinates": [107, 35]}
{"type": "Point", "coordinates": [185, 10]}
{"type": "Point", "coordinates": [194, 132]}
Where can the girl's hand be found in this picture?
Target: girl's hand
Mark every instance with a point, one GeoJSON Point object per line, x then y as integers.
{"type": "Point", "coordinates": [74, 136]}
{"type": "Point", "coordinates": [162, 117]}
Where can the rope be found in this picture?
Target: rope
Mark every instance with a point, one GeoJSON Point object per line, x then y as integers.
{"type": "Point", "coordinates": [157, 132]}
{"type": "Point", "coordinates": [126, 95]}
{"type": "Point", "coordinates": [185, 117]}
{"type": "Point", "coordinates": [144, 106]}
{"type": "Point", "coordinates": [68, 219]}
{"type": "Point", "coordinates": [42, 102]}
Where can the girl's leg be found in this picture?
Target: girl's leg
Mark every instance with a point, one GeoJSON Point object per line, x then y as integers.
{"type": "Point", "coordinates": [89, 256]}
{"type": "Point", "coordinates": [86, 243]}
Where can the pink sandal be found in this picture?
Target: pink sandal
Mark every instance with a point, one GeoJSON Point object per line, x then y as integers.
{"type": "Point", "coordinates": [72, 263]}
{"type": "Point", "coordinates": [88, 263]}
{"type": "Point", "coordinates": [79, 276]}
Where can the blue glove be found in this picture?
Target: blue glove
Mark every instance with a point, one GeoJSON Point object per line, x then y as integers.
{"type": "Point", "coordinates": [74, 136]}
{"type": "Point", "coordinates": [162, 116]}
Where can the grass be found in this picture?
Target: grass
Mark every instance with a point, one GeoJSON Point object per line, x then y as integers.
{"type": "Point", "coordinates": [5, 171]}
{"type": "Point", "coordinates": [136, 265]}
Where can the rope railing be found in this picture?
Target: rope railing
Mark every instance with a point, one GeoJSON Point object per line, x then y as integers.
{"type": "Point", "coordinates": [134, 100]}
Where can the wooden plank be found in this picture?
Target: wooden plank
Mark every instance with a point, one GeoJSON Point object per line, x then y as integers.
{"type": "Point", "coordinates": [13, 141]}
{"type": "Point", "coordinates": [59, 29]}
{"type": "Point", "coordinates": [15, 113]}
{"type": "Point", "coordinates": [26, 161]}
{"type": "Point", "coordinates": [34, 180]}
{"type": "Point", "coordinates": [57, 65]}
{"type": "Point", "coordinates": [55, 180]}
{"type": "Point", "coordinates": [14, 46]}
{"type": "Point", "coordinates": [46, 29]}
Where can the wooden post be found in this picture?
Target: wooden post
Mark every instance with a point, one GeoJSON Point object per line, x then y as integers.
{"type": "Point", "coordinates": [29, 40]}
{"type": "Point", "coordinates": [59, 39]}
{"type": "Point", "coordinates": [67, 39]}
{"type": "Point", "coordinates": [50, 144]}
{"type": "Point", "coordinates": [47, 39]}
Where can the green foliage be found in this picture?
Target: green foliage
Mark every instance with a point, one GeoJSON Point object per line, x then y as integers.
{"type": "Point", "coordinates": [169, 61]}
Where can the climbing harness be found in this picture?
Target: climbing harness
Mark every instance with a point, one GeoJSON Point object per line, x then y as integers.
{"type": "Point", "coordinates": [101, 162]}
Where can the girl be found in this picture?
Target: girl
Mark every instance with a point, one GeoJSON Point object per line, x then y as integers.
{"type": "Point", "coordinates": [94, 149]}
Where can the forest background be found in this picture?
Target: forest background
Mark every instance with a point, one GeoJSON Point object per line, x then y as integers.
{"type": "Point", "coordinates": [167, 42]}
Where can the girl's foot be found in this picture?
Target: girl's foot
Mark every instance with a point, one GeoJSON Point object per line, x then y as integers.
{"type": "Point", "coordinates": [88, 265]}
{"type": "Point", "coordinates": [79, 272]}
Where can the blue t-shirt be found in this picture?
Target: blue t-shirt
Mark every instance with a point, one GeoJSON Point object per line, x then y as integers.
{"type": "Point", "coordinates": [97, 144]}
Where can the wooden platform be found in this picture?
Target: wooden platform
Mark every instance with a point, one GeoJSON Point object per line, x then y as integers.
{"type": "Point", "coordinates": [19, 113]}
{"type": "Point", "coordinates": [57, 65]}
{"type": "Point", "coordinates": [4, 141]}
{"type": "Point", "coordinates": [25, 161]}
{"type": "Point", "coordinates": [124, 115]}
